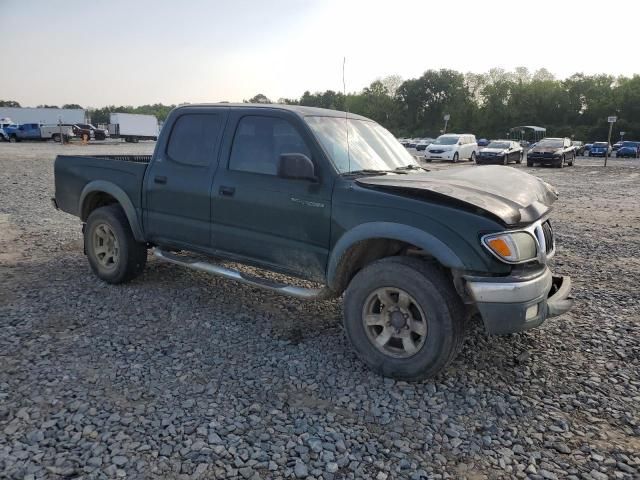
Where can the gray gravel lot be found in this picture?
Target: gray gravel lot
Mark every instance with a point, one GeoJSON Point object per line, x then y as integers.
{"type": "Point", "coordinates": [180, 375]}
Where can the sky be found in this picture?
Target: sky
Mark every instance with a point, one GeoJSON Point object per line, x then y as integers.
{"type": "Point", "coordinates": [128, 52]}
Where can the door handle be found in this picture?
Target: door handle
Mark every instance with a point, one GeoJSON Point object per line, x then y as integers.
{"type": "Point", "coordinates": [227, 191]}
{"type": "Point", "coordinates": [160, 179]}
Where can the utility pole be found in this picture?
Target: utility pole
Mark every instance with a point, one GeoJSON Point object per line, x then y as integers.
{"type": "Point", "coordinates": [611, 121]}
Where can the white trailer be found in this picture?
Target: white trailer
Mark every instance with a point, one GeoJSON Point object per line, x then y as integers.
{"type": "Point", "coordinates": [133, 127]}
{"type": "Point", "coordinates": [47, 116]}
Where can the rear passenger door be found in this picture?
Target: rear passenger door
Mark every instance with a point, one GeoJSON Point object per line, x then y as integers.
{"type": "Point", "coordinates": [283, 224]}
{"type": "Point", "coordinates": [178, 181]}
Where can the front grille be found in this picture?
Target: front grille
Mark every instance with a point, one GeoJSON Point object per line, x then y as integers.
{"type": "Point", "coordinates": [436, 151]}
{"type": "Point", "coordinates": [547, 234]}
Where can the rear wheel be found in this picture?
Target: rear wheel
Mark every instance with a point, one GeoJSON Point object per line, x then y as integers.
{"type": "Point", "coordinates": [573, 159]}
{"type": "Point", "coordinates": [56, 137]}
{"type": "Point", "coordinates": [404, 318]}
{"type": "Point", "coordinates": [113, 253]}
{"type": "Point", "coordinates": [529, 163]}
{"type": "Point", "coordinates": [456, 157]}
{"type": "Point", "coordinates": [505, 160]}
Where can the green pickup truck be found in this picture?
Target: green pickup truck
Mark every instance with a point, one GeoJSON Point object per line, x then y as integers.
{"type": "Point", "coordinates": [331, 198]}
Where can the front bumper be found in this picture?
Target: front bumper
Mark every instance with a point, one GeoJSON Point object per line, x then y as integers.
{"type": "Point", "coordinates": [447, 155]}
{"type": "Point", "coordinates": [513, 304]}
{"type": "Point", "coordinates": [543, 160]}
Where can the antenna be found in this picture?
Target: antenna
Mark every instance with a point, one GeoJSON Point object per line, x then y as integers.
{"type": "Point", "coordinates": [346, 113]}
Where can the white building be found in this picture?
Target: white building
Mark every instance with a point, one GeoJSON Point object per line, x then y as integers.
{"type": "Point", "coordinates": [43, 115]}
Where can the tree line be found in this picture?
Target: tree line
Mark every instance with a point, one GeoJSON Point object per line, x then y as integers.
{"type": "Point", "coordinates": [487, 104]}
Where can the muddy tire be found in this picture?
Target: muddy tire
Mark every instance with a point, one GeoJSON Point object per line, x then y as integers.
{"type": "Point", "coordinates": [404, 318]}
{"type": "Point", "coordinates": [113, 253]}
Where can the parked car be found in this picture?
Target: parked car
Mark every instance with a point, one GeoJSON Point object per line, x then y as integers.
{"type": "Point", "coordinates": [628, 149]}
{"type": "Point", "coordinates": [423, 144]}
{"type": "Point", "coordinates": [25, 131]}
{"type": "Point", "coordinates": [453, 146]}
{"type": "Point", "coordinates": [600, 149]}
{"type": "Point", "coordinates": [617, 145]}
{"type": "Point", "coordinates": [36, 131]}
{"type": "Point", "coordinates": [413, 142]}
{"type": "Point", "coordinates": [87, 131]}
{"type": "Point", "coordinates": [587, 147]}
{"type": "Point", "coordinates": [500, 151]}
{"type": "Point", "coordinates": [4, 124]}
{"type": "Point", "coordinates": [579, 147]}
{"type": "Point", "coordinates": [277, 187]}
{"type": "Point", "coordinates": [552, 151]}
{"type": "Point", "coordinates": [483, 142]}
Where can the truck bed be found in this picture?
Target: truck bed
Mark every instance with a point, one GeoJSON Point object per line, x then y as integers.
{"type": "Point", "coordinates": [74, 172]}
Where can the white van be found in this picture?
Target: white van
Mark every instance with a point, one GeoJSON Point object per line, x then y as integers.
{"type": "Point", "coordinates": [453, 146]}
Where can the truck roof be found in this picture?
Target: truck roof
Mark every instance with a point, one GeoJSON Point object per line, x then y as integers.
{"type": "Point", "coordinates": [297, 109]}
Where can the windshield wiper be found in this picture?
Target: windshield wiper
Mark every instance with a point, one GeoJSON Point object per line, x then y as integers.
{"type": "Point", "coordinates": [367, 171]}
{"type": "Point", "coordinates": [411, 166]}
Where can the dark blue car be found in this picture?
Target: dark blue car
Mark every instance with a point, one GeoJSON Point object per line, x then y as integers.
{"type": "Point", "coordinates": [628, 149]}
{"type": "Point", "coordinates": [483, 142]}
{"type": "Point", "coordinates": [600, 149]}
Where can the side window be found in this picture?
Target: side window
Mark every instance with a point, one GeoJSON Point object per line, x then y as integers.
{"type": "Point", "coordinates": [259, 142]}
{"type": "Point", "coordinates": [193, 139]}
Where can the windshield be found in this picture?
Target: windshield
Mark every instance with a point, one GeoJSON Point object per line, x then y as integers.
{"type": "Point", "coordinates": [371, 147]}
{"type": "Point", "coordinates": [628, 144]}
{"type": "Point", "coordinates": [446, 141]}
{"type": "Point", "coordinates": [498, 145]}
{"type": "Point", "coordinates": [550, 143]}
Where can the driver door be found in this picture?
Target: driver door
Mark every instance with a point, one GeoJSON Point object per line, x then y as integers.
{"type": "Point", "coordinates": [281, 223]}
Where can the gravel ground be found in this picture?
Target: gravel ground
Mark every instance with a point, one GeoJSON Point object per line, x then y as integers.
{"type": "Point", "coordinates": [180, 375]}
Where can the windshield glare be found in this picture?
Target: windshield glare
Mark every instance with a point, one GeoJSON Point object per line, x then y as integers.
{"type": "Point", "coordinates": [498, 145]}
{"type": "Point", "coordinates": [371, 147]}
{"type": "Point", "coordinates": [446, 141]}
{"type": "Point", "coordinates": [550, 143]}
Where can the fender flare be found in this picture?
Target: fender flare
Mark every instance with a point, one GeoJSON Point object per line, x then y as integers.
{"type": "Point", "coordinates": [123, 199]}
{"type": "Point", "coordinates": [392, 231]}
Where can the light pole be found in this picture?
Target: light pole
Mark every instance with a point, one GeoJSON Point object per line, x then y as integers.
{"type": "Point", "coordinates": [446, 122]}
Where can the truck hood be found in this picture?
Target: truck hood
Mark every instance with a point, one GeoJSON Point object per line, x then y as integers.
{"type": "Point", "coordinates": [510, 195]}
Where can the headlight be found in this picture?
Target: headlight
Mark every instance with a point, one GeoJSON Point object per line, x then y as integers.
{"type": "Point", "coordinates": [517, 247]}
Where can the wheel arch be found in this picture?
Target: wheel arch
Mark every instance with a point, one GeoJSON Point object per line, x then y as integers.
{"type": "Point", "coordinates": [100, 193]}
{"type": "Point", "coordinates": [372, 241]}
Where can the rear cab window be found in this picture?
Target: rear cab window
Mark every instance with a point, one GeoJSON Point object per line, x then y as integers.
{"type": "Point", "coordinates": [194, 138]}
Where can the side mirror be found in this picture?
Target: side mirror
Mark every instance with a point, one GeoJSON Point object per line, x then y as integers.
{"type": "Point", "coordinates": [296, 166]}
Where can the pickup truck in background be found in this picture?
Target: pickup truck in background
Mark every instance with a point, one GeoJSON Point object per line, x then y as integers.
{"type": "Point", "coordinates": [133, 127]}
{"type": "Point", "coordinates": [414, 253]}
{"type": "Point", "coordinates": [36, 131]}
{"type": "Point", "coordinates": [86, 131]}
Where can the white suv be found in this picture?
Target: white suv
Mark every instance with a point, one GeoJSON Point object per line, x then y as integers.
{"type": "Point", "coordinates": [452, 146]}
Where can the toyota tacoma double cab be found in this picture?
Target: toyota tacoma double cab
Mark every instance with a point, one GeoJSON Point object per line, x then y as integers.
{"type": "Point", "coordinates": [332, 198]}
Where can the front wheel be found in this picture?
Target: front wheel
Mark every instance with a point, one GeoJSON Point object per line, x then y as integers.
{"type": "Point", "coordinates": [113, 253]}
{"type": "Point", "coordinates": [456, 157]}
{"type": "Point", "coordinates": [56, 137]}
{"type": "Point", "coordinates": [520, 158]}
{"type": "Point", "coordinates": [404, 318]}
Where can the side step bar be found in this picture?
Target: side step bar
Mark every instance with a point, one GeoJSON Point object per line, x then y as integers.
{"type": "Point", "coordinates": [212, 269]}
